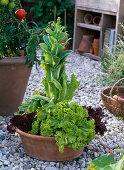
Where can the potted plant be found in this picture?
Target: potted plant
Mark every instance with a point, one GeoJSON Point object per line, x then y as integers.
{"type": "Point", "coordinates": [51, 129]}
{"type": "Point", "coordinates": [18, 46]}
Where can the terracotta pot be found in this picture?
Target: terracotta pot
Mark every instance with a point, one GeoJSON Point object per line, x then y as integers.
{"type": "Point", "coordinates": [88, 18]}
{"type": "Point", "coordinates": [67, 46]}
{"type": "Point", "coordinates": [86, 43]}
{"type": "Point", "coordinates": [96, 20]}
{"type": "Point", "coordinates": [91, 49]}
{"type": "Point", "coordinates": [45, 148]}
{"type": "Point", "coordinates": [14, 75]}
{"type": "Point", "coordinates": [96, 47]}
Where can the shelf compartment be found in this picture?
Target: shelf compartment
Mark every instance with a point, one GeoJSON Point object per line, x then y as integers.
{"type": "Point", "coordinates": [89, 26]}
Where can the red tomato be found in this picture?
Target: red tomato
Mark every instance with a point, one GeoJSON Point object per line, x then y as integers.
{"type": "Point", "coordinates": [20, 14]}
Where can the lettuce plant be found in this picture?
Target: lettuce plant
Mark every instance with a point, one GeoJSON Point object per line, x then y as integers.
{"type": "Point", "coordinates": [69, 124]}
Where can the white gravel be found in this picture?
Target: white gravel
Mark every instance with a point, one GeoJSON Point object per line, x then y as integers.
{"type": "Point", "coordinates": [12, 155]}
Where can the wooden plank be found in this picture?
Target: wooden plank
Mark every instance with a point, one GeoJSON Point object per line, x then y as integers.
{"type": "Point", "coordinates": [107, 5]}
{"type": "Point", "coordinates": [89, 26]}
{"type": "Point", "coordinates": [96, 10]}
{"type": "Point", "coordinates": [91, 56]}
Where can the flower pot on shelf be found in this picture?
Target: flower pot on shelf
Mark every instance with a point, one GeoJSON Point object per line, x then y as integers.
{"type": "Point", "coordinates": [96, 47]}
{"type": "Point", "coordinates": [45, 148]}
{"type": "Point", "coordinates": [97, 20]}
{"type": "Point", "coordinates": [14, 75]}
{"type": "Point", "coordinates": [88, 18]}
{"type": "Point", "coordinates": [85, 43]}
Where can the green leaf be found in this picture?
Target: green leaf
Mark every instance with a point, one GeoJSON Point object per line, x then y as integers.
{"type": "Point", "coordinates": [44, 47]}
{"type": "Point", "coordinates": [49, 31]}
{"type": "Point", "coordinates": [47, 41]}
{"type": "Point", "coordinates": [65, 54]}
{"type": "Point", "coordinates": [39, 97]}
{"type": "Point", "coordinates": [103, 160]}
{"type": "Point", "coordinates": [57, 84]}
{"type": "Point", "coordinates": [73, 85]}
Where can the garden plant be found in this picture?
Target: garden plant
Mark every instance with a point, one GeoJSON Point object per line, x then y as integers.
{"type": "Point", "coordinates": [18, 51]}
{"type": "Point", "coordinates": [50, 113]}
{"type": "Point", "coordinates": [113, 64]}
{"type": "Point", "coordinates": [107, 162]}
{"type": "Point", "coordinates": [15, 35]}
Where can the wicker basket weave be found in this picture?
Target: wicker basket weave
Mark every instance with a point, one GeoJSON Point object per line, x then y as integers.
{"type": "Point", "coordinates": [114, 106]}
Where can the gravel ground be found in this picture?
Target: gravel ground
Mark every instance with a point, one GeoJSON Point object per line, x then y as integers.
{"type": "Point", "coordinates": [12, 155]}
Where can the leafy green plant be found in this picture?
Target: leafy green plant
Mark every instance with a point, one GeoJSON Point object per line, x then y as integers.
{"type": "Point", "coordinates": [43, 12]}
{"type": "Point", "coordinates": [56, 82]}
{"type": "Point", "coordinates": [15, 35]}
{"type": "Point", "coordinates": [106, 162]}
{"type": "Point", "coordinates": [68, 123]}
{"type": "Point", "coordinates": [113, 65]}
{"type": "Point", "coordinates": [57, 86]}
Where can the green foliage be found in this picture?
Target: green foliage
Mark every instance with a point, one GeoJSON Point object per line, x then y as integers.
{"type": "Point", "coordinates": [68, 123]}
{"type": "Point", "coordinates": [16, 36]}
{"type": "Point", "coordinates": [43, 12]}
{"type": "Point", "coordinates": [54, 57]}
{"type": "Point", "coordinates": [34, 104]}
{"type": "Point", "coordinates": [106, 162]}
{"type": "Point", "coordinates": [113, 65]}
{"type": "Point", "coordinates": [103, 161]}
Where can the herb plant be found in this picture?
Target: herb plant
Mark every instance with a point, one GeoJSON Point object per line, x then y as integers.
{"type": "Point", "coordinates": [15, 35]}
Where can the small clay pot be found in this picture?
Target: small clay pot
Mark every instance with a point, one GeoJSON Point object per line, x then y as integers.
{"type": "Point", "coordinates": [91, 49]}
{"type": "Point", "coordinates": [96, 47]}
{"type": "Point", "coordinates": [88, 18]}
{"type": "Point", "coordinates": [45, 148]}
{"type": "Point", "coordinates": [86, 43]}
{"type": "Point", "coordinates": [96, 51]}
{"type": "Point", "coordinates": [96, 20]}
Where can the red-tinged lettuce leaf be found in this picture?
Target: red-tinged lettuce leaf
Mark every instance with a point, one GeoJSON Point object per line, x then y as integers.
{"type": "Point", "coordinates": [97, 114]}
{"type": "Point", "coordinates": [23, 122]}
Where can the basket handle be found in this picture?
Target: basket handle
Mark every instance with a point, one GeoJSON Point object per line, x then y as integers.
{"type": "Point", "coordinates": [115, 85]}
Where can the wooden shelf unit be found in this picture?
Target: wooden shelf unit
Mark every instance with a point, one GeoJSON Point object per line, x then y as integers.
{"type": "Point", "coordinates": [111, 13]}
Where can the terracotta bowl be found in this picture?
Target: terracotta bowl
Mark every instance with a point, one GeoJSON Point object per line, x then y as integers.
{"type": "Point", "coordinates": [45, 148]}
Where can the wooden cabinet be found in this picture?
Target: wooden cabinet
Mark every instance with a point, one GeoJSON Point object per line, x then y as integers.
{"type": "Point", "coordinates": [111, 13]}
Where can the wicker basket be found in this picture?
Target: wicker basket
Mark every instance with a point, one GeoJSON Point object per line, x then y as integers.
{"type": "Point", "coordinates": [114, 106]}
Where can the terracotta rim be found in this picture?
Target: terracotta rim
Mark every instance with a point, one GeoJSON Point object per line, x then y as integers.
{"type": "Point", "coordinates": [38, 137]}
{"type": "Point", "coordinates": [13, 60]}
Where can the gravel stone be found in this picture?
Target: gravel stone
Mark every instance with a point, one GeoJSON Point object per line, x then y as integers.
{"type": "Point", "coordinates": [12, 155]}
{"type": "Point", "coordinates": [50, 168]}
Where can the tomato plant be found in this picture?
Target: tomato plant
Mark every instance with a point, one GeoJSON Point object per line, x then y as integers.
{"type": "Point", "coordinates": [4, 2]}
{"type": "Point", "coordinates": [20, 14]}
{"type": "Point", "coordinates": [11, 5]}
